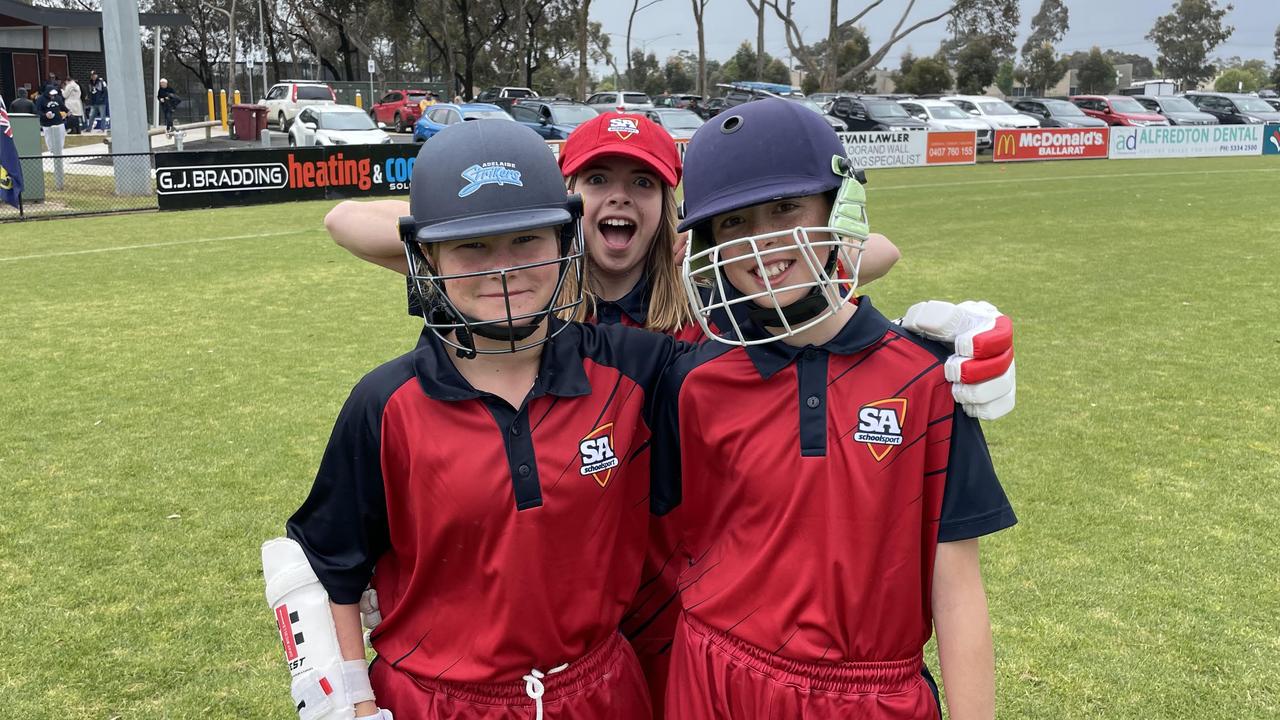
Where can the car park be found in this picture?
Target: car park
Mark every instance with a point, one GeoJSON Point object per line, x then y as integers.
{"type": "Point", "coordinates": [505, 97]}
{"type": "Point", "coordinates": [326, 125]}
{"type": "Point", "coordinates": [860, 114]}
{"type": "Point", "coordinates": [679, 124]}
{"type": "Point", "coordinates": [1053, 113]}
{"type": "Point", "coordinates": [941, 115]}
{"type": "Point", "coordinates": [399, 109]}
{"type": "Point", "coordinates": [739, 93]}
{"type": "Point", "coordinates": [442, 115]}
{"type": "Point", "coordinates": [713, 107]}
{"type": "Point", "coordinates": [552, 119]}
{"type": "Point", "coordinates": [620, 101]}
{"type": "Point", "coordinates": [286, 99]}
{"type": "Point", "coordinates": [1177, 110]}
{"type": "Point", "coordinates": [996, 112]}
{"type": "Point", "coordinates": [1118, 110]}
{"type": "Point", "coordinates": [1234, 108]}
{"type": "Point", "coordinates": [680, 100]}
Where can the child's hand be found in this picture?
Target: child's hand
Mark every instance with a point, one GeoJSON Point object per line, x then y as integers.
{"type": "Point", "coordinates": [982, 369]}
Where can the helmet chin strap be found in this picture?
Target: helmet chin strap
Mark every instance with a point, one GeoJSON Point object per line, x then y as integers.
{"type": "Point", "coordinates": [800, 311]}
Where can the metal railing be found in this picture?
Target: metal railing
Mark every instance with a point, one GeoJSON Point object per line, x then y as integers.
{"type": "Point", "coordinates": [66, 185]}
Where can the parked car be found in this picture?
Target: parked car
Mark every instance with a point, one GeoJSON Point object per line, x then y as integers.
{"type": "Point", "coordinates": [399, 109]}
{"type": "Point", "coordinates": [1273, 102]}
{"type": "Point", "coordinates": [621, 101]}
{"type": "Point", "coordinates": [442, 115]}
{"type": "Point", "coordinates": [1235, 109]}
{"type": "Point", "coordinates": [505, 97]}
{"type": "Point", "coordinates": [739, 93]}
{"type": "Point", "coordinates": [836, 123]}
{"type": "Point", "coordinates": [678, 123]}
{"type": "Point", "coordinates": [681, 100]}
{"type": "Point", "coordinates": [1177, 110]}
{"type": "Point", "coordinates": [1051, 113]}
{"type": "Point", "coordinates": [996, 112]}
{"type": "Point", "coordinates": [712, 108]}
{"type": "Point", "coordinates": [860, 114]}
{"type": "Point", "coordinates": [335, 125]}
{"type": "Point", "coordinates": [942, 115]}
{"type": "Point", "coordinates": [822, 98]}
{"type": "Point", "coordinates": [1120, 110]}
{"type": "Point", "coordinates": [552, 119]}
{"type": "Point", "coordinates": [285, 99]}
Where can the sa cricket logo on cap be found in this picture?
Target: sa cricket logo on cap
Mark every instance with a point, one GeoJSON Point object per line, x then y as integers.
{"type": "Point", "coordinates": [596, 453]}
{"type": "Point", "coordinates": [880, 425]}
{"type": "Point", "coordinates": [624, 127]}
{"type": "Point", "coordinates": [490, 173]}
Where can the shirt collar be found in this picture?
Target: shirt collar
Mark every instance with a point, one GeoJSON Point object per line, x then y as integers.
{"type": "Point", "coordinates": [560, 372]}
{"type": "Point", "coordinates": [635, 304]}
{"type": "Point", "coordinates": [861, 331]}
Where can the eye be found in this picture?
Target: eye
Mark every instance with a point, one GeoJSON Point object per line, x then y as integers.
{"type": "Point", "coordinates": [471, 246]}
{"type": "Point", "coordinates": [526, 239]}
{"type": "Point", "coordinates": [731, 221]}
{"type": "Point", "coordinates": [786, 206]}
{"type": "Point", "coordinates": [596, 179]}
{"type": "Point", "coordinates": [645, 182]}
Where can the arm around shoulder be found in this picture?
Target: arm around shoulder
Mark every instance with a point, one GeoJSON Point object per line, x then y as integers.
{"type": "Point", "coordinates": [369, 230]}
{"type": "Point", "coordinates": [879, 255]}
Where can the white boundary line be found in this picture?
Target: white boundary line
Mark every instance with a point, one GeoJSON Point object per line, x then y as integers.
{"type": "Point", "coordinates": [153, 245]}
{"type": "Point", "coordinates": [1100, 176]}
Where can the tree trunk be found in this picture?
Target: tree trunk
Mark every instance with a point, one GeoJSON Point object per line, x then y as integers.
{"type": "Point", "coordinates": [759, 40]}
{"type": "Point", "coordinates": [829, 73]}
{"type": "Point", "coordinates": [231, 60]}
{"type": "Point", "coordinates": [445, 53]}
{"type": "Point", "coordinates": [698, 7]}
{"type": "Point", "coordinates": [272, 52]}
{"type": "Point", "coordinates": [583, 11]}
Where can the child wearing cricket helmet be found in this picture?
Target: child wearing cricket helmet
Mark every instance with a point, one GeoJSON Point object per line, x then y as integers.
{"type": "Point", "coordinates": [832, 489]}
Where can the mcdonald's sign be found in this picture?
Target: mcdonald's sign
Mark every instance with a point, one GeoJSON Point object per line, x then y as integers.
{"type": "Point", "coordinates": [1050, 144]}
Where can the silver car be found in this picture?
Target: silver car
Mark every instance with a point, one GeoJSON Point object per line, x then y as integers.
{"type": "Point", "coordinates": [620, 101]}
{"type": "Point", "coordinates": [678, 123]}
{"type": "Point", "coordinates": [941, 115]}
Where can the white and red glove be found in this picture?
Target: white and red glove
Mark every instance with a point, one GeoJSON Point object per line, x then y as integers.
{"type": "Point", "coordinates": [981, 371]}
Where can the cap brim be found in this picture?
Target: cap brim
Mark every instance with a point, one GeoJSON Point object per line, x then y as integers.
{"type": "Point", "coordinates": [747, 194]}
{"type": "Point", "coordinates": [494, 224]}
{"type": "Point", "coordinates": [664, 171]}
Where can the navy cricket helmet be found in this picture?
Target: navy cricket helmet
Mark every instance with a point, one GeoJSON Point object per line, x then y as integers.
{"type": "Point", "coordinates": [754, 153]}
{"type": "Point", "coordinates": [483, 178]}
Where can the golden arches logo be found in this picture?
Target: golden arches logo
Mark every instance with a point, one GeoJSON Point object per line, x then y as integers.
{"type": "Point", "coordinates": [1006, 144]}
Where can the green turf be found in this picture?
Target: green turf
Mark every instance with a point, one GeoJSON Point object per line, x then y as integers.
{"type": "Point", "coordinates": [165, 408]}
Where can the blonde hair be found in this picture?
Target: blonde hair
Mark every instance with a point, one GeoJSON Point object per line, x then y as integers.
{"type": "Point", "coordinates": [668, 306]}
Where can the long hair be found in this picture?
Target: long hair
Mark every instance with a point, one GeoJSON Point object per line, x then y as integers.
{"type": "Point", "coordinates": [668, 306]}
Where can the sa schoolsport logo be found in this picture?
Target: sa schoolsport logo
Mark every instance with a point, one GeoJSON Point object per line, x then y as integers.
{"type": "Point", "coordinates": [490, 173]}
{"type": "Point", "coordinates": [880, 425]}
{"type": "Point", "coordinates": [624, 127]}
{"type": "Point", "coordinates": [596, 452]}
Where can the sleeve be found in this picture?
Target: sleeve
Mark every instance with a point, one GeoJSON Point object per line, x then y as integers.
{"type": "Point", "coordinates": [666, 479]}
{"type": "Point", "coordinates": [342, 526]}
{"type": "Point", "coordinates": [973, 502]}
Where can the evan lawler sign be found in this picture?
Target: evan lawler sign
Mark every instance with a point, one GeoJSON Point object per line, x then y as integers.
{"type": "Point", "coordinates": [1050, 144]}
{"type": "Point", "coordinates": [909, 148]}
{"type": "Point", "coordinates": [1182, 141]}
{"type": "Point", "coordinates": [240, 177]}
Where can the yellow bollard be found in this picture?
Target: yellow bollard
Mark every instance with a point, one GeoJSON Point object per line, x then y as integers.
{"type": "Point", "coordinates": [237, 96]}
{"type": "Point", "coordinates": [212, 116]}
{"type": "Point", "coordinates": [222, 102]}
{"type": "Point", "coordinates": [359, 100]}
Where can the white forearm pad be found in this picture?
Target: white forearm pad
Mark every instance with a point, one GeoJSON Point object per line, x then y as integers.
{"type": "Point", "coordinates": [322, 681]}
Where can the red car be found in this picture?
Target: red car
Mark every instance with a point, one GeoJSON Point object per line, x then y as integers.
{"type": "Point", "coordinates": [1118, 110]}
{"type": "Point", "coordinates": [400, 108]}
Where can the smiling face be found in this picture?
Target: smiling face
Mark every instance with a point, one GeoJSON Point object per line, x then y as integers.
{"type": "Point", "coordinates": [483, 297]}
{"type": "Point", "coordinates": [782, 260]}
{"type": "Point", "coordinates": [622, 201]}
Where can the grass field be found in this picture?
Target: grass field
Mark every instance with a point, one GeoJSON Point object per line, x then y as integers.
{"type": "Point", "coordinates": [168, 382]}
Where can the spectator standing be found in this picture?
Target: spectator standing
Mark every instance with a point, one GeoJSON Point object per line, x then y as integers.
{"type": "Point", "coordinates": [51, 82]}
{"type": "Point", "coordinates": [168, 103]}
{"type": "Point", "coordinates": [97, 100]}
{"type": "Point", "coordinates": [52, 110]}
{"type": "Point", "coordinates": [22, 103]}
{"type": "Point", "coordinates": [71, 94]}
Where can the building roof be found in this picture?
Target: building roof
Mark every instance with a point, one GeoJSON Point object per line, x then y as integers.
{"type": "Point", "coordinates": [19, 14]}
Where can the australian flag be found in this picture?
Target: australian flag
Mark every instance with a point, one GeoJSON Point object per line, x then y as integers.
{"type": "Point", "coordinates": [10, 168]}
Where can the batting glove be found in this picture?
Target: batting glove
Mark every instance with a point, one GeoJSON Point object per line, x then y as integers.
{"type": "Point", "coordinates": [982, 371]}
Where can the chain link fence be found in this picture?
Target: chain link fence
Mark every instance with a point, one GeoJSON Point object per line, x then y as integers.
{"type": "Point", "coordinates": [60, 186]}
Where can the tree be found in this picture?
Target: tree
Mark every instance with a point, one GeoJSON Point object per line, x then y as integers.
{"type": "Point", "coordinates": [853, 47]}
{"type": "Point", "coordinates": [699, 8]}
{"type": "Point", "coordinates": [678, 73]}
{"type": "Point", "coordinates": [635, 8]}
{"type": "Point", "coordinates": [925, 76]}
{"type": "Point", "coordinates": [1042, 69]}
{"type": "Point", "coordinates": [1186, 36]}
{"type": "Point", "coordinates": [994, 14]}
{"type": "Point", "coordinates": [1049, 25]}
{"type": "Point", "coordinates": [743, 64]}
{"type": "Point", "coordinates": [1004, 77]}
{"type": "Point", "coordinates": [993, 19]}
{"type": "Point", "coordinates": [977, 67]}
{"type": "Point", "coordinates": [1239, 79]}
{"type": "Point", "coordinates": [758, 7]}
{"type": "Point", "coordinates": [1275, 72]}
{"type": "Point", "coordinates": [1097, 75]}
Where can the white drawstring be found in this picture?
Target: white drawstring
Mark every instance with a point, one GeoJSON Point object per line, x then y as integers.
{"type": "Point", "coordinates": [534, 688]}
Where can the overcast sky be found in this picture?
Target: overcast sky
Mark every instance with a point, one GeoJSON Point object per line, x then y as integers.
{"type": "Point", "coordinates": [1118, 24]}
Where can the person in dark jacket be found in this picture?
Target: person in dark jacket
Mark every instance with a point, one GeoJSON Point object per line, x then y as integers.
{"type": "Point", "coordinates": [97, 100]}
{"type": "Point", "coordinates": [52, 111]}
{"type": "Point", "coordinates": [22, 104]}
{"type": "Point", "coordinates": [169, 101]}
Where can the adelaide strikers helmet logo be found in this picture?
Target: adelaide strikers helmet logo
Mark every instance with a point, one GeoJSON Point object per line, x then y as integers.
{"type": "Point", "coordinates": [624, 127]}
{"type": "Point", "coordinates": [490, 173]}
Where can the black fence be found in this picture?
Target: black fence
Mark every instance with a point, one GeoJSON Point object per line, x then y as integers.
{"type": "Point", "coordinates": [84, 185]}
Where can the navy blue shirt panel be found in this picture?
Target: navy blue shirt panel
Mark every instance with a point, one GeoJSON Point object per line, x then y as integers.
{"type": "Point", "coordinates": [973, 502]}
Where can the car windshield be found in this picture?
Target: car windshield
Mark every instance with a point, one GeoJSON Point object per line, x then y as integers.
{"type": "Point", "coordinates": [996, 107]}
{"type": "Point", "coordinates": [314, 92]}
{"type": "Point", "coordinates": [1062, 108]}
{"type": "Point", "coordinates": [1253, 105]}
{"type": "Point", "coordinates": [683, 120]}
{"type": "Point", "coordinates": [886, 110]}
{"type": "Point", "coordinates": [948, 112]}
{"type": "Point", "coordinates": [571, 114]}
{"type": "Point", "coordinates": [1177, 104]}
{"type": "Point", "coordinates": [636, 99]}
{"type": "Point", "coordinates": [486, 115]}
{"type": "Point", "coordinates": [346, 121]}
{"type": "Point", "coordinates": [1127, 105]}
{"type": "Point", "coordinates": [520, 93]}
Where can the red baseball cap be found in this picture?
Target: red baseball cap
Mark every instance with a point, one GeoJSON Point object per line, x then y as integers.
{"type": "Point", "coordinates": [633, 136]}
